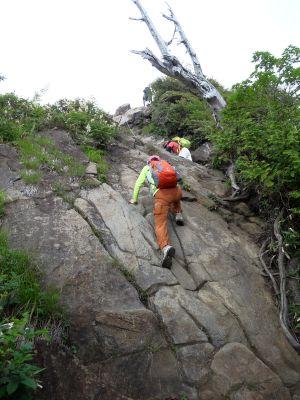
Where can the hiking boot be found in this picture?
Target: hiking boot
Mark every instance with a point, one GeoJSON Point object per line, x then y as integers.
{"type": "Point", "coordinates": [168, 252]}
{"type": "Point", "coordinates": [179, 219]}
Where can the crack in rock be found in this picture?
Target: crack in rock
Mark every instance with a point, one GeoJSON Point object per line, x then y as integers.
{"type": "Point", "coordinates": [196, 322]}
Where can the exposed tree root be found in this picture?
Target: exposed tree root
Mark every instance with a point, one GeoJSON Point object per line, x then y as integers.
{"type": "Point", "coordinates": [236, 198]}
{"type": "Point", "coordinates": [268, 272]}
{"type": "Point", "coordinates": [283, 315]}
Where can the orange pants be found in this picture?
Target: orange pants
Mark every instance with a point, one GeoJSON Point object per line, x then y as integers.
{"type": "Point", "coordinates": [164, 201]}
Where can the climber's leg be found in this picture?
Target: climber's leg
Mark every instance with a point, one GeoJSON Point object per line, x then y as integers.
{"type": "Point", "coordinates": [161, 210]}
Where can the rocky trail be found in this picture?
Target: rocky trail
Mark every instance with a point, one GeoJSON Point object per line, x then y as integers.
{"type": "Point", "coordinates": [205, 330]}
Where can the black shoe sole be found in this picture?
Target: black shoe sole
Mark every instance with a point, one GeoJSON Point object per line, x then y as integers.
{"type": "Point", "coordinates": [180, 223]}
{"type": "Point", "coordinates": [167, 261]}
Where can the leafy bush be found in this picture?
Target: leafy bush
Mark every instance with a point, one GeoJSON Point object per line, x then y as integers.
{"type": "Point", "coordinates": [9, 131]}
{"type": "Point", "coordinates": [261, 126]}
{"type": "Point", "coordinates": [23, 304]}
{"type": "Point", "coordinates": [163, 85]}
{"type": "Point", "coordinates": [20, 117]}
{"type": "Point", "coordinates": [176, 111]}
{"type": "Point", "coordinates": [262, 137]}
{"type": "Point", "coordinates": [18, 376]}
{"type": "Point", "coordinates": [88, 123]}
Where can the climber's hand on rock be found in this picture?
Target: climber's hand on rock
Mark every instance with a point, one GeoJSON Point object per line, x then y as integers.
{"type": "Point", "coordinates": [133, 201]}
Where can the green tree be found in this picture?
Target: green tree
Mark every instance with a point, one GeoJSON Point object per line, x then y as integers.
{"type": "Point", "coordinates": [261, 125]}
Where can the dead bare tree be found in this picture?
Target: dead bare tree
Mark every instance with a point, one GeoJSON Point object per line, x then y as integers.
{"type": "Point", "coordinates": [171, 66]}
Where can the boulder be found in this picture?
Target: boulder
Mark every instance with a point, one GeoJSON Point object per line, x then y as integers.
{"type": "Point", "coordinates": [91, 169]}
{"type": "Point", "coordinates": [195, 360]}
{"type": "Point", "coordinates": [122, 109]}
{"type": "Point", "coordinates": [203, 153]}
{"type": "Point", "coordinates": [239, 374]}
{"type": "Point", "coordinates": [133, 117]}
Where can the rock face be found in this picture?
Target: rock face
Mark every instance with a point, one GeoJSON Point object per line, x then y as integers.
{"type": "Point", "coordinates": [205, 330]}
{"type": "Point", "coordinates": [122, 109]}
{"type": "Point", "coordinates": [203, 153]}
{"type": "Point", "coordinates": [138, 116]}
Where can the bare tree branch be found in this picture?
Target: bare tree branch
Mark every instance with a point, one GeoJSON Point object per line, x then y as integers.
{"type": "Point", "coordinates": [171, 66]}
{"type": "Point", "coordinates": [156, 36]}
{"type": "Point", "coordinates": [137, 19]}
{"type": "Point", "coordinates": [170, 41]}
{"type": "Point", "coordinates": [184, 40]}
{"type": "Point", "coordinates": [283, 316]}
{"type": "Point", "coordinates": [231, 175]}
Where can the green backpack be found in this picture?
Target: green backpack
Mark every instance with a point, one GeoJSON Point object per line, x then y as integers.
{"type": "Point", "coordinates": [185, 142]}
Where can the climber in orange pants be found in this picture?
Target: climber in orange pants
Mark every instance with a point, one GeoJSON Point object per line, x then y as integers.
{"type": "Point", "coordinates": [166, 200]}
{"type": "Point", "coordinates": [162, 179]}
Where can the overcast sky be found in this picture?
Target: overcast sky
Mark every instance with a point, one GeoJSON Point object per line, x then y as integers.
{"type": "Point", "coordinates": [76, 48]}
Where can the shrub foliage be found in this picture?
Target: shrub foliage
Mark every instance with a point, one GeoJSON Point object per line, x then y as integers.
{"type": "Point", "coordinates": [23, 305]}
{"type": "Point", "coordinates": [20, 117]}
{"type": "Point", "coordinates": [261, 125]}
{"type": "Point", "coordinates": [177, 111]}
{"type": "Point", "coordinates": [262, 137]}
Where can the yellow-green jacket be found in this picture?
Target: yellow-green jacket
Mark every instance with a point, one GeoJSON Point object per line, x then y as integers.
{"type": "Point", "coordinates": [144, 175]}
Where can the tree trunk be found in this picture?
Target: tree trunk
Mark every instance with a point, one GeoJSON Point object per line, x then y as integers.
{"type": "Point", "coordinates": [171, 66]}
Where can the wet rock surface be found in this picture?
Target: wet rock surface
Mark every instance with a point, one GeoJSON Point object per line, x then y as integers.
{"type": "Point", "coordinates": [206, 329]}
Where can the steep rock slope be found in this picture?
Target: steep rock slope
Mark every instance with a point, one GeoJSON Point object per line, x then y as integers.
{"type": "Point", "coordinates": [207, 329]}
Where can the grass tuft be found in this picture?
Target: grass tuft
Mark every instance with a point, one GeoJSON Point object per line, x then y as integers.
{"type": "Point", "coordinates": [97, 156]}
{"type": "Point", "coordinates": [31, 177]}
{"type": "Point", "coordinates": [37, 151]}
{"type": "Point", "coordinates": [2, 201]}
{"type": "Point", "coordinates": [20, 290]}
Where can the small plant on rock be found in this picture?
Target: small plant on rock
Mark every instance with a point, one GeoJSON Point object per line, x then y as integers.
{"type": "Point", "coordinates": [96, 156]}
{"type": "Point", "coordinates": [19, 377]}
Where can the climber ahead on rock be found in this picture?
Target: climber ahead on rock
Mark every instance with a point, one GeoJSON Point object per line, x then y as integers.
{"type": "Point", "coordinates": [179, 146]}
{"type": "Point", "coordinates": [162, 179]}
{"type": "Point", "coordinates": [147, 96]}
{"type": "Point", "coordinates": [185, 153]}
{"type": "Point", "coordinates": [172, 146]}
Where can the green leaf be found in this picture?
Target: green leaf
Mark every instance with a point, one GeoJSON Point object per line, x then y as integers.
{"type": "Point", "coordinates": [12, 387]}
{"type": "Point", "coordinates": [295, 194]}
{"type": "Point", "coordinates": [31, 383]}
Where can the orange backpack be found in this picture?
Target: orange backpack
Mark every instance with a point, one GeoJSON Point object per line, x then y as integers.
{"type": "Point", "coordinates": [163, 174]}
